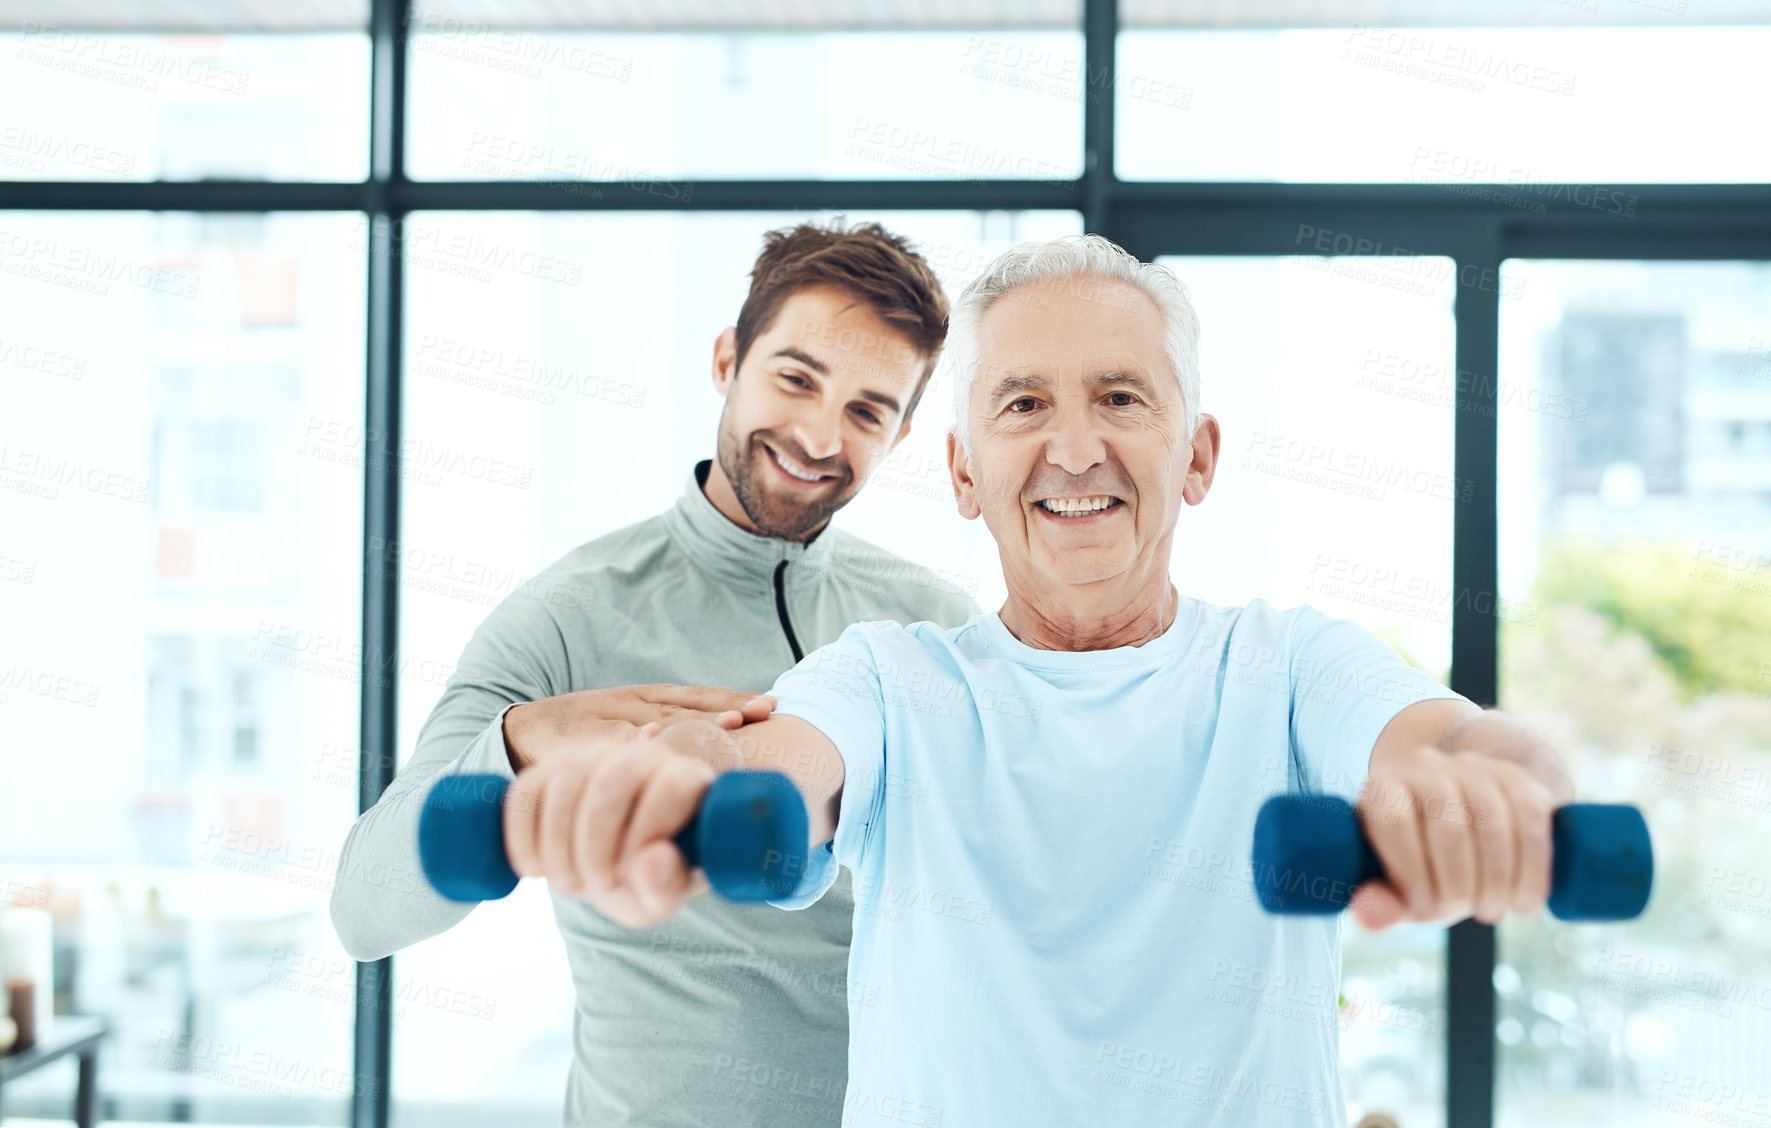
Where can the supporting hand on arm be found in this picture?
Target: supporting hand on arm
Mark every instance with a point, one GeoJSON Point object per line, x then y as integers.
{"type": "Point", "coordinates": [538, 730]}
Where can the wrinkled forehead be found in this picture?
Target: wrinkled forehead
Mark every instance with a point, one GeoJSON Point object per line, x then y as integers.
{"type": "Point", "coordinates": [1072, 326]}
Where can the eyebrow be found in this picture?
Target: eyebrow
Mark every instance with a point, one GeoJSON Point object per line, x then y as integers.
{"type": "Point", "coordinates": [794, 353]}
{"type": "Point", "coordinates": [1028, 382]}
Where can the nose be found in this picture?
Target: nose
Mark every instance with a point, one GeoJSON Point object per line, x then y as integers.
{"type": "Point", "coordinates": [819, 432]}
{"type": "Point", "coordinates": [1075, 444]}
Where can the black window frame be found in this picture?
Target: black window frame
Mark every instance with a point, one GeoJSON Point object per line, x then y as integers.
{"type": "Point", "coordinates": [1693, 222]}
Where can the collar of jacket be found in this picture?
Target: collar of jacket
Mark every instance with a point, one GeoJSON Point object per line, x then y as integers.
{"type": "Point", "coordinates": [714, 542]}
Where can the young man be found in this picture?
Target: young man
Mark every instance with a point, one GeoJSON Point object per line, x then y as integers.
{"type": "Point", "coordinates": [831, 352]}
{"type": "Point", "coordinates": [1054, 911]}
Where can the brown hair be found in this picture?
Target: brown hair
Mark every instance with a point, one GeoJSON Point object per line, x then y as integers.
{"type": "Point", "coordinates": [879, 268]}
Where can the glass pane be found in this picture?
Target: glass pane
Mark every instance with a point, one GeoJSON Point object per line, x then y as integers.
{"type": "Point", "coordinates": [1530, 108]}
{"type": "Point", "coordinates": [645, 109]}
{"type": "Point", "coordinates": [1636, 530]}
{"type": "Point", "coordinates": [587, 381]}
{"type": "Point", "coordinates": [180, 588]}
{"type": "Point", "coordinates": [1332, 379]}
{"type": "Point", "coordinates": [86, 104]}
{"type": "Point", "coordinates": [810, 14]}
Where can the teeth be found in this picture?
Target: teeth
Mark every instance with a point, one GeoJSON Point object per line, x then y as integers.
{"type": "Point", "coordinates": [1073, 506]}
{"type": "Point", "coordinates": [794, 470]}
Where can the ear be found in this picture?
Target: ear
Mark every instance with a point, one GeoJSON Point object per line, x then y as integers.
{"type": "Point", "coordinates": [903, 431]}
{"type": "Point", "coordinates": [965, 489]}
{"type": "Point", "coordinates": [1204, 466]}
{"type": "Point", "coordinates": [725, 359]}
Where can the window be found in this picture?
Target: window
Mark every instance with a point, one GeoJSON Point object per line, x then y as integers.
{"type": "Point", "coordinates": [90, 103]}
{"type": "Point", "coordinates": [178, 650]}
{"type": "Point", "coordinates": [650, 110]}
{"type": "Point", "coordinates": [184, 407]}
{"type": "Point", "coordinates": [1522, 117]}
{"type": "Point", "coordinates": [1646, 582]}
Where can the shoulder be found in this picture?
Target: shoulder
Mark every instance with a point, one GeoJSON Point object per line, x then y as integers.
{"type": "Point", "coordinates": [897, 645]}
{"type": "Point", "coordinates": [1255, 616]}
{"type": "Point", "coordinates": [588, 578]}
{"type": "Point", "coordinates": [910, 591]}
{"type": "Point", "coordinates": [1256, 624]}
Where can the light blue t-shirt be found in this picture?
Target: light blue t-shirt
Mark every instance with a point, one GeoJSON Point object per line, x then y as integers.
{"type": "Point", "coordinates": [1054, 915]}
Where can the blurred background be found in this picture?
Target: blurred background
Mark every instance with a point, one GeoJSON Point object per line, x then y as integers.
{"type": "Point", "coordinates": [323, 326]}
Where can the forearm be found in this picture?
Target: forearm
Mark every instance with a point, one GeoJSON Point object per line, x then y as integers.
{"type": "Point", "coordinates": [795, 746]}
{"type": "Point", "coordinates": [783, 743]}
{"type": "Point", "coordinates": [380, 899]}
{"type": "Point", "coordinates": [1494, 733]}
{"type": "Point", "coordinates": [521, 749]}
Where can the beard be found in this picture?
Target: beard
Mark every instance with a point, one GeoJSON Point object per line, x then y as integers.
{"type": "Point", "coordinates": [774, 511]}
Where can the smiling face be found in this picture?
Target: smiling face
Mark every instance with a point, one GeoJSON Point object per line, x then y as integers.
{"type": "Point", "coordinates": [1080, 459]}
{"type": "Point", "coordinates": [817, 404]}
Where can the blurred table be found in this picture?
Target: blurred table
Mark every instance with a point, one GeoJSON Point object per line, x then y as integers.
{"type": "Point", "coordinates": [67, 1034]}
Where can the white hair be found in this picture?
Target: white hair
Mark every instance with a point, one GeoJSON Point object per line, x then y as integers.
{"type": "Point", "coordinates": [1057, 261]}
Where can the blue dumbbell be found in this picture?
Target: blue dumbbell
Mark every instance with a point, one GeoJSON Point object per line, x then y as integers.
{"type": "Point", "coordinates": [749, 835]}
{"type": "Point", "coordinates": [1310, 853]}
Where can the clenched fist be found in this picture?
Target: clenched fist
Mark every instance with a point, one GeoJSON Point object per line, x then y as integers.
{"type": "Point", "coordinates": [597, 820]}
{"type": "Point", "coordinates": [1460, 834]}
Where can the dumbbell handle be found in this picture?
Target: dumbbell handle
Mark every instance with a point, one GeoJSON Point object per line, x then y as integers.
{"type": "Point", "coordinates": [1311, 853]}
{"type": "Point", "coordinates": [749, 835]}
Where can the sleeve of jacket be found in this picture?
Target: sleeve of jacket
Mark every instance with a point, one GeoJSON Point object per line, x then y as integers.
{"type": "Point", "coordinates": [380, 899]}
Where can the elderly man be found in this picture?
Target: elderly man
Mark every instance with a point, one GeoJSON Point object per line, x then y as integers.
{"type": "Point", "coordinates": [1036, 806]}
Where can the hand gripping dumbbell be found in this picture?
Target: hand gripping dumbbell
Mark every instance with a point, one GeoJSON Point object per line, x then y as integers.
{"type": "Point", "coordinates": [1311, 853]}
{"type": "Point", "coordinates": [749, 835]}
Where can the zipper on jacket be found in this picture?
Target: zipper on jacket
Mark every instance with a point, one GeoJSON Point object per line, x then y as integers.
{"type": "Point", "coordinates": [781, 609]}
